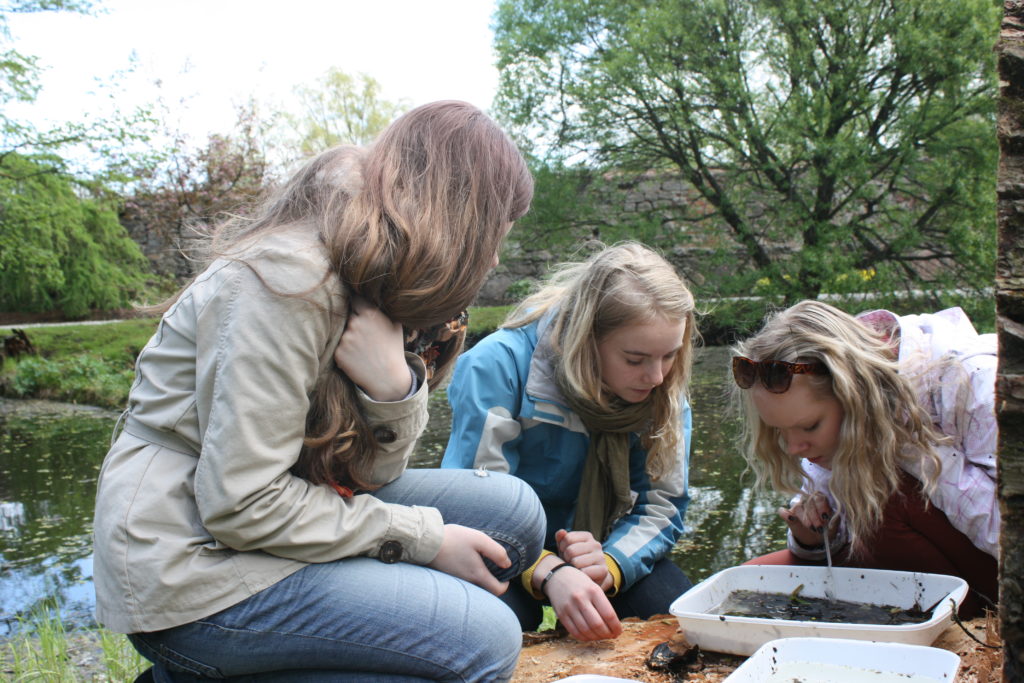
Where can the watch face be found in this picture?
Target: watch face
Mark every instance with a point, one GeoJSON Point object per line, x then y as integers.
{"type": "Point", "coordinates": [390, 552]}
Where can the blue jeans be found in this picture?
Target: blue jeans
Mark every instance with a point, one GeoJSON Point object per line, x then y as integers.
{"type": "Point", "coordinates": [359, 619]}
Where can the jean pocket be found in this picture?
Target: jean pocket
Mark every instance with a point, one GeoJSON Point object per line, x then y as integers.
{"type": "Point", "coordinates": [152, 649]}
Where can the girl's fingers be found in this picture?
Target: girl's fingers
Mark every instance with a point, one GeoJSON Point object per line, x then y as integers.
{"type": "Point", "coordinates": [494, 552]}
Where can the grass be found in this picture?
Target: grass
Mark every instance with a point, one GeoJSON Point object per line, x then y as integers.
{"type": "Point", "coordinates": [88, 364]}
{"type": "Point", "coordinates": [485, 319]}
{"type": "Point", "coordinates": [94, 364]}
{"type": "Point", "coordinates": [116, 343]}
{"type": "Point", "coordinates": [42, 650]}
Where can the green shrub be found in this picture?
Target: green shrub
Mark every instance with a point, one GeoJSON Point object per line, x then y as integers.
{"type": "Point", "coordinates": [519, 289]}
{"type": "Point", "coordinates": [82, 378]}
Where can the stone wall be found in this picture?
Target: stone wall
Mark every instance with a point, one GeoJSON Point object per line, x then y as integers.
{"type": "Point", "coordinates": [167, 248]}
{"type": "Point", "coordinates": [656, 200]}
{"type": "Point", "coordinates": [663, 204]}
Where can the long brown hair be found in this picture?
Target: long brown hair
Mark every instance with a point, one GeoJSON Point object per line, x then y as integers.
{"type": "Point", "coordinates": [439, 189]}
{"type": "Point", "coordinates": [411, 223]}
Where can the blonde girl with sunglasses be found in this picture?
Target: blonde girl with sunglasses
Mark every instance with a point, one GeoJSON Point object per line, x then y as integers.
{"type": "Point", "coordinates": [882, 429]}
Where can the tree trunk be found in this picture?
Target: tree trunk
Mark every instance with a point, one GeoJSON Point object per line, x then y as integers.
{"type": "Point", "coordinates": [1010, 327]}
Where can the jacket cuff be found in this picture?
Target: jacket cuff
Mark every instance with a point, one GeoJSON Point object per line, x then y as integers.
{"type": "Point", "coordinates": [813, 554]}
{"type": "Point", "coordinates": [414, 535]}
{"type": "Point", "coordinates": [616, 572]}
{"type": "Point", "coordinates": [417, 374]}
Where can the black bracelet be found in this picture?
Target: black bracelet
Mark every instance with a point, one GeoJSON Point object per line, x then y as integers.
{"type": "Point", "coordinates": [550, 574]}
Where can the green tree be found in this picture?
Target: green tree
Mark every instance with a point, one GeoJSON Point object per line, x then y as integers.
{"type": "Point", "coordinates": [61, 245]}
{"type": "Point", "coordinates": [573, 203]}
{"type": "Point", "coordinates": [831, 139]}
{"type": "Point", "coordinates": [341, 109]}
{"type": "Point", "coordinates": [59, 250]}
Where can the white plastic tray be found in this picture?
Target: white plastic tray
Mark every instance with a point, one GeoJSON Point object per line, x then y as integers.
{"type": "Point", "coordinates": [837, 660]}
{"type": "Point", "coordinates": [743, 635]}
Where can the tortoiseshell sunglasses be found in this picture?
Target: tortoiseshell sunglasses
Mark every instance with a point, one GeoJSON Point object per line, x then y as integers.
{"type": "Point", "coordinates": [775, 375]}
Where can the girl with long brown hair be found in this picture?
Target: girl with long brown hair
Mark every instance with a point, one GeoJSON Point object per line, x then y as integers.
{"type": "Point", "coordinates": [255, 516]}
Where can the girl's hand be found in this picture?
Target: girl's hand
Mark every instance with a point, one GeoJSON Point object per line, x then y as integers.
{"type": "Point", "coordinates": [808, 519]}
{"type": "Point", "coordinates": [583, 551]}
{"type": "Point", "coordinates": [372, 353]}
{"type": "Point", "coordinates": [462, 552]}
{"type": "Point", "coordinates": [582, 606]}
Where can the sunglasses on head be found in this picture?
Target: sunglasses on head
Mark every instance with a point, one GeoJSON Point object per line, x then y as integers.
{"type": "Point", "coordinates": [775, 375]}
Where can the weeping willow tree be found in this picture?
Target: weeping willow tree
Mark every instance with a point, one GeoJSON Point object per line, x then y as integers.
{"type": "Point", "coordinates": [61, 245]}
{"type": "Point", "coordinates": [59, 248]}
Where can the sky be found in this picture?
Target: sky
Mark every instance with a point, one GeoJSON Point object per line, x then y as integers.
{"type": "Point", "coordinates": [210, 55]}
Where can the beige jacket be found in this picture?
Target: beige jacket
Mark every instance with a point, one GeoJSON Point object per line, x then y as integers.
{"type": "Point", "coordinates": [196, 509]}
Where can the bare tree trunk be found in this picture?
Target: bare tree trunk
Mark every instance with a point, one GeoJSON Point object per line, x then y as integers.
{"type": "Point", "coordinates": [1010, 327]}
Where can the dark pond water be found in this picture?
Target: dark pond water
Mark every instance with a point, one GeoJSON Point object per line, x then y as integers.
{"type": "Point", "coordinates": [50, 457]}
{"type": "Point", "coordinates": [794, 607]}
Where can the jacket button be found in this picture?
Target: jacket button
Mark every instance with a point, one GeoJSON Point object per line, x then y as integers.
{"type": "Point", "coordinates": [384, 435]}
{"type": "Point", "coordinates": [390, 552]}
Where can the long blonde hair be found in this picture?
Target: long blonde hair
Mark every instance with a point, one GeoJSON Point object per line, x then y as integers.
{"type": "Point", "coordinates": [411, 223]}
{"type": "Point", "coordinates": [618, 285]}
{"type": "Point", "coordinates": [883, 425]}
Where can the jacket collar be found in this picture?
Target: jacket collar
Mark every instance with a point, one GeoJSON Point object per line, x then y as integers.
{"type": "Point", "coordinates": [546, 401]}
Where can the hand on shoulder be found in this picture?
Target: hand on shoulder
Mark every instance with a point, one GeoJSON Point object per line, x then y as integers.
{"type": "Point", "coordinates": [371, 352]}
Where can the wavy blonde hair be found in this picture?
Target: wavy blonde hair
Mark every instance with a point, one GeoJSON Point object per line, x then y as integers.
{"type": "Point", "coordinates": [623, 284]}
{"type": "Point", "coordinates": [411, 223]}
{"type": "Point", "coordinates": [883, 424]}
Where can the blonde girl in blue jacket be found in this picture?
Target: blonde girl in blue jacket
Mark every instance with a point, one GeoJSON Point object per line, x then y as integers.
{"type": "Point", "coordinates": [583, 394]}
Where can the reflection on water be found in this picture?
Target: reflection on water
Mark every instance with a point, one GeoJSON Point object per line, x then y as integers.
{"type": "Point", "coordinates": [12, 516]}
{"type": "Point", "coordinates": [49, 464]}
{"type": "Point", "coordinates": [48, 468]}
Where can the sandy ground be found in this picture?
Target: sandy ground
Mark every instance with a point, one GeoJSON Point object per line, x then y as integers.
{"type": "Point", "coordinates": [553, 658]}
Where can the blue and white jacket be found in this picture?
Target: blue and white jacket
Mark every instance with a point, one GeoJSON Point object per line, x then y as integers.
{"type": "Point", "coordinates": [509, 416]}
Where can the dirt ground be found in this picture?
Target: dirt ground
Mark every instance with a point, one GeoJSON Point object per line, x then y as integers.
{"type": "Point", "coordinates": [552, 657]}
